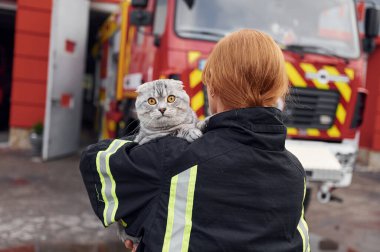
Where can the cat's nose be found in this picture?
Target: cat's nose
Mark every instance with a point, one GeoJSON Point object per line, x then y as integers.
{"type": "Point", "coordinates": [162, 110]}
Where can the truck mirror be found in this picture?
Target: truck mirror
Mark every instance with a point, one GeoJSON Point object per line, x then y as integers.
{"type": "Point", "coordinates": [372, 22]}
{"type": "Point", "coordinates": [139, 3]}
{"type": "Point", "coordinates": [141, 18]}
{"type": "Point", "coordinates": [189, 3]}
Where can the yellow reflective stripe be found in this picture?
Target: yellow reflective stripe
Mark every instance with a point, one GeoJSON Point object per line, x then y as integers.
{"type": "Point", "coordinates": [170, 218]}
{"type": "Point", "coordinates": [307, 241]}
{"type": "Point", "coordinates": [111, 202]}
{"type": "Point", "coordinates": [344, 88]}
{"type": "Point", "coordinates": [341, 113]}
{"type": "Point", "coordinates": [309, 68]}
{"type": "Point", "coordinates": [113, 190]}
{"type": "Point", "coordinates": [192, 56]}
{"type": "Point", "coordinates": [333, 131]}
{"type": "Point", "coordinates": [302, 236]}
{"type": "Point", "coordinates": [195, 78]}
{"type": "Point", "coordinates": [102, 181]}
{"type": "Point", "coordinates": [292, 131]}
{"type": "Point", "coordinates": [123, 223]}
{"type": "Point", "coordinates": [180, 211]}
{"type": "Point", "coordinates": [350, 73]}
{"type": "Point", "coordinates": [307, 230]}
{"type": "Point", "coordinates": [302, 227]}
{"type": "Point", "coordinates": [312, 132]}
{"type": "Point", "coordinates": [189, 209]}
{"type": "Point", "coordinates": [294, 77]}
{"type": "Point", "coordinates": [332, 70]}
{"type": "Point", "coordinates": [197, 101]}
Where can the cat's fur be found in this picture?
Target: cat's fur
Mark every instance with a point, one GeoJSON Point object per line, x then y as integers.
{"type": "Point", "coordinates": [177, 119]}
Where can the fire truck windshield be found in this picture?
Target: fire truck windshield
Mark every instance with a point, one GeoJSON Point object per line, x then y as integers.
{"type": "Point", "coordinates": [326, 24]}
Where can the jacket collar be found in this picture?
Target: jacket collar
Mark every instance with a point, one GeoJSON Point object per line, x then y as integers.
{"type": "Point", "coordinates": [260, 125]}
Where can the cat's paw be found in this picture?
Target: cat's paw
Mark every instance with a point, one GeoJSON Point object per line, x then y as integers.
{"type": "Point", "coordinates": [201, 125]}
{"type": "Point", "coordinates": [190, 134]}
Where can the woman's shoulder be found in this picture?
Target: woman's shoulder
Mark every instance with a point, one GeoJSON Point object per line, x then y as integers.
{"type": "Point", "coordinates": [177, 152]}
{"type": "Point", "coordinates": [183, 154]}
{"type": "Point", "coordinates": [163, 144]}
{"type": "Point", "coordinates": [162, 148]}
{"type": "Point", "coordinates": [295, 162]}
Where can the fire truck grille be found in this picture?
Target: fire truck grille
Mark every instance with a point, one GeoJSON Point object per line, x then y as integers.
{"type": "Point", "coordinates": [311, 108]}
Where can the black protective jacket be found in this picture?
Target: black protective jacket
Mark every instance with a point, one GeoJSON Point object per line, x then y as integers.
{"type": "Point", "coordinates": [235, 189]}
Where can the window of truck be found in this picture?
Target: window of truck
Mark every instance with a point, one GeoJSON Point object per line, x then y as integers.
{"type": "Point", "coordinates": [160, 17]}
{"type": "Point", "coordinates": [327, 24]}
{"type": "Point", "coordinates": [377, 3]}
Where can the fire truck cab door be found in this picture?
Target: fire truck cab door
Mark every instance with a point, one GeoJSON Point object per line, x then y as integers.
{"type": "Point", "coordinates": [68, 41]}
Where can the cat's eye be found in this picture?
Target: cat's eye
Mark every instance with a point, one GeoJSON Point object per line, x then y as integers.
{"type": "Point", "coordinates": [152, 101]}
{"type": "Point", "coordinates": [171, 98]}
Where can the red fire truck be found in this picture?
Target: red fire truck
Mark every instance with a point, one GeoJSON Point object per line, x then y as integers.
{"type": "Point", "coordinates": [325, 60]}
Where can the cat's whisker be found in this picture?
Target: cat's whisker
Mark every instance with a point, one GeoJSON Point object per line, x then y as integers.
{"type": "Point", "coordinates": [135, 130]}
{"type": "Point", "coordinates": [126, 128]}
{"type": "Point", "coordinates": [138, 127]}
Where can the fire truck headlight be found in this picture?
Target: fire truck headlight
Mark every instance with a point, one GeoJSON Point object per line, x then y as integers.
{"type": "Point", "coordinates": [325, 119]}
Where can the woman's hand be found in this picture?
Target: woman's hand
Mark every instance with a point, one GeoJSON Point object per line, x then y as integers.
{"type": "Point", "coordinates": [129, 245]}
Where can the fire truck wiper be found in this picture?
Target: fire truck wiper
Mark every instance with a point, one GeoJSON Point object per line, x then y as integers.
{"type": "Point", "coordinates": [313, 49]}
{"type": "Point", "coordinates": [214, 33]}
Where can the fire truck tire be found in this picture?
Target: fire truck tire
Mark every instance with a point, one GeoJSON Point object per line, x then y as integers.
{"type": "Point", "coordinates": [323, 197]}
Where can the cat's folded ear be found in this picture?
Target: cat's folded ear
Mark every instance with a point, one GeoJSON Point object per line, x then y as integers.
{"type": "Point", "coordinates": [142, 87]}
{"type": "Point", "coordinates": [177, 83]}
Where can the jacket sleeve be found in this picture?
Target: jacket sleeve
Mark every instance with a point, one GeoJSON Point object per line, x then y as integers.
{"type": "Point", "coordinates": [122, 181]}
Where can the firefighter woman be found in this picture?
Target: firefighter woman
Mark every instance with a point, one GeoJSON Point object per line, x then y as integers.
{"type": "Point", "coordinates": [234, 189]}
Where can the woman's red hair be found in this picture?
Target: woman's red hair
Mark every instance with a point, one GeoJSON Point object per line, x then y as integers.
{"type": "Point", "coordinates": [246, 69]}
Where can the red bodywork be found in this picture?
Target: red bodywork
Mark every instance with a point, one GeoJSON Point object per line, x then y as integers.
{"type": "Point", "coordinates": [172, 58]}
{"type": "Point", "coordinates": [370, 131]}
{"type": "Point", "coordinates": [355, 85]}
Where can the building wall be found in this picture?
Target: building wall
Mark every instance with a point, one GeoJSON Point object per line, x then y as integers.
{"type": "Point", "coordinates": [30, 69]}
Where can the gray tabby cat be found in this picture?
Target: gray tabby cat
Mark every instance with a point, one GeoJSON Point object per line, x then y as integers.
{"type": "Point", "coordinates": [163, 108]}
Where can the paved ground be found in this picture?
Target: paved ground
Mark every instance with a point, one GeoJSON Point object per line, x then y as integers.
{"type": "Point", "coordinates": [44, 207]}
{"type": "Point", "coordinates": [3, 138]}
{"type": "Point", "coordinates": [46, 203]}
{"type": "Point", "coordinates": [355, 223]}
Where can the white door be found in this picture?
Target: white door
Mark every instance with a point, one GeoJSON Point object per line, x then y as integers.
{"type": "Point", "coordinates": [68, 41]}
